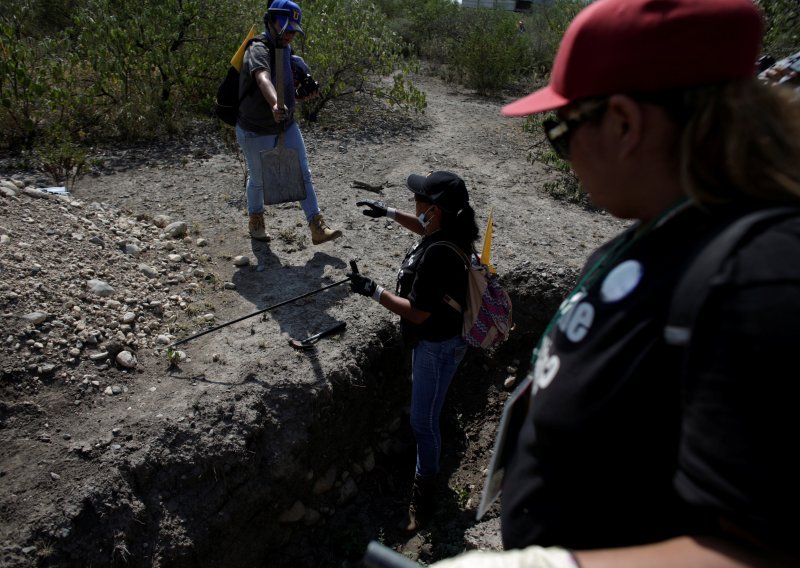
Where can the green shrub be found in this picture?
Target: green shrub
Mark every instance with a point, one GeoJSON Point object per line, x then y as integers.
{"type": "Point", "coordinates": [152, 61]}
{"type": "Point", "coordinates": [563, 184]}
{"type": "Point", "coordinates": [351, 49]}
{"type": "Point", "coordinates": [488, 53]}
{"type": "Point", "coordinates": [782, 34]}
{"type": "Point", "coordinates": [64, 161]}
{"type": "Point", "coordinates": [34, 80]}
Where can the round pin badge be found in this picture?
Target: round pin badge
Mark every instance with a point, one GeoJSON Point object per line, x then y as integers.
{"type": "Point", "coordinates": [621, 281]}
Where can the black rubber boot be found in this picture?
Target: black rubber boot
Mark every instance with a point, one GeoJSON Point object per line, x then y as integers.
{"type": "Point", "coordinates": [422, 505]}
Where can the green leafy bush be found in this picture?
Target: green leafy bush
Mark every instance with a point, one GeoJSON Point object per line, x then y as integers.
{"type": "Point", "coordinates": [782, 33]}
{"type": "Point", "coordinates": [488, 52]}
{"type": "Point", "coordinates": [82, 71]}
{"type": "Point", "coordinates": [34, 80]}
{"type": "Point", "coordinates": [351, 49]}
{"type": "Point", "coordinates": [152, 61]}
{"type": "Point", "coordinates": [563, 183]}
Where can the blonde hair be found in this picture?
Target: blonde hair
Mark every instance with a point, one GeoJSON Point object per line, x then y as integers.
{"type": "Point", "coordinates": [741, 142]}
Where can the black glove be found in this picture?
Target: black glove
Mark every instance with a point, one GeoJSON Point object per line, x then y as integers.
{"type": "Point", "coordinates": [361, 284]}
{"type": "Point", "coordinates": [376, 208]}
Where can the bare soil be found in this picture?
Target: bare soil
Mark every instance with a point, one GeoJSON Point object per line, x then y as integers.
{"type": "Point", "coordinates": [237, 449]}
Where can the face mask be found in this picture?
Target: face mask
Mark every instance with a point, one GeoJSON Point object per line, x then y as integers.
{"type": "Point", "coordinates": [425, 219]}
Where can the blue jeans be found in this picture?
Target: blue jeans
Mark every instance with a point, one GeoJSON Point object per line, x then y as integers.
{"type": "Point", "coordinates": [433, 365]}
{"type": "Point", "coordinates": [252, 145]}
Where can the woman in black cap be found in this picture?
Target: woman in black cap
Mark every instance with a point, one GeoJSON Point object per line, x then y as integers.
{"type": "Point", "coordinates": [434, 271]}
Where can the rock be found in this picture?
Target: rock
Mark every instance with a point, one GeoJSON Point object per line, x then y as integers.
{"type": "Point", "coordinates": [47, 369]}
{"type": "Point", "coordinates": [100, 288]}
{"type": "Point", "coordinates": [35, 193]}
{"type": "Point", "coordinates": [296, 513]}
{"type": "Point", "coordinates": [312, 517]}
{"type": "Point", "coordinates": [126, 359]}
{"type": "Point", "coordinates": [148, 271]}
{"type": "Point", "coordinates": [161, 221]}
{"type": "Point", "coordinates": [369, 462]}
{"type": "Point", "coordinates": [176, 230]}
{"type": "Point", "coordinates": [132, 250]}
{"type": "Point", "coordinates": [348, 490]}
{"type": "Point", "coordinates": [241, 261]}
{"type": "Point", "coordinates": [326, 482]}
{"type": "Point", "coordinates": [35, 318]}
{"type": "Point", "coordinates": [202, 242]}
{"type": "Point", "coordinates": [128, 317]}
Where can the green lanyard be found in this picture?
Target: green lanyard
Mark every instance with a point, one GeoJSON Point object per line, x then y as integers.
{"type": "Point", "coordinates": [595, 273]}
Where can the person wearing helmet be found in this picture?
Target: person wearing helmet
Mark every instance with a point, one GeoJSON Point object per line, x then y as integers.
{"type": "Point", "coordinates": [643, 443]}
{"type": "Point", "coordinates": [260, 120]}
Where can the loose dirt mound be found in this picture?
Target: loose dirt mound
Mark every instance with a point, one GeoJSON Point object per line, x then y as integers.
{"type": "Point", "coordinates": [241, 450]}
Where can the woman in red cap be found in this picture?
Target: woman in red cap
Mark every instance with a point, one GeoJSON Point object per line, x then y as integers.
{"type": "Point", "coordinates": [644, 443]}
{"type": "Point", "coordinates": [434, 270]}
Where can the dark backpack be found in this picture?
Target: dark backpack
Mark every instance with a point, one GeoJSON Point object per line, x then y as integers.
{"type": "Point", "coordinates": [226, 106]}
{"type": "Point", "coordinates": [705, 271]}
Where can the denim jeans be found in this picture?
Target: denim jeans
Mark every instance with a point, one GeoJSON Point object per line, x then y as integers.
{"type": "Point", "coordinates": [252, 145]}
{"type": "Point", "coordinates": [433, 365]}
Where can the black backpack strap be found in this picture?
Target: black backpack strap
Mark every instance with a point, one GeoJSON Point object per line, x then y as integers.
{"type": "Point", "coordinates": [252, 86]}
{"type": "Point", "coordinates": [455, 247]}
{"type": "Point", "coordinates": [704, 271]}
{"type": "Point", "coordinates": [450, 301]}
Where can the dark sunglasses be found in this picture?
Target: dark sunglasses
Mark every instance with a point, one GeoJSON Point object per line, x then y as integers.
{"type": "Point", "coordinates": [559, 131]}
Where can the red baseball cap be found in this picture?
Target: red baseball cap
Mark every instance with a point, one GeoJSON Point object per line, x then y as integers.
{"type": "Point", "coordinates": [639, 46]}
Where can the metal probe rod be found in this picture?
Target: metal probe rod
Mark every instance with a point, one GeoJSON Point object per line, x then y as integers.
{"type": "Point", "coordinates": [272, 307]}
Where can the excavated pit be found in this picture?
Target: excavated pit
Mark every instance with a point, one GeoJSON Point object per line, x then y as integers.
{"type": "Point", "coordinates": [304, 476]}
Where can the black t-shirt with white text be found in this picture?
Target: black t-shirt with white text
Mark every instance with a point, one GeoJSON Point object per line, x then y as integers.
{"type": "Point", "coordinates": [621, 446]}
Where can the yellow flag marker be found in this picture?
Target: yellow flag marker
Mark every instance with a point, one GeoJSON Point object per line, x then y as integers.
{"type": "Point", "coordinates": [236, 60]}
{"type": "Point", "coordinates": [486, 253]}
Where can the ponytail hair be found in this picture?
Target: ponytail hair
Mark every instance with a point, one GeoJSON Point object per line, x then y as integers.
{"type": "Point", "coordinates": [741, 142]}
{"type": "Point", "coordinates": [461, 228]}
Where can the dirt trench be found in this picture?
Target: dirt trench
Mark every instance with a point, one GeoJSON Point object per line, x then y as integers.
{"type": "Point", "coordinates": [250, 453]}
{"type": "Point", "coordinates": [201, 503]}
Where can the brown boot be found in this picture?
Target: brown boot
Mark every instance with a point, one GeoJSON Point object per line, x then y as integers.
{"type": "Point", "coordinates": [422, 505]}
{"type": "Point", "coordinates": [256, 226]}
{"type": "Point", "coordinates": [320, 232]}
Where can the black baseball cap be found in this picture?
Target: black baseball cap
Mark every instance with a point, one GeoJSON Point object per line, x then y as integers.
{"type": "Point", "coordinates": [445, 189]}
